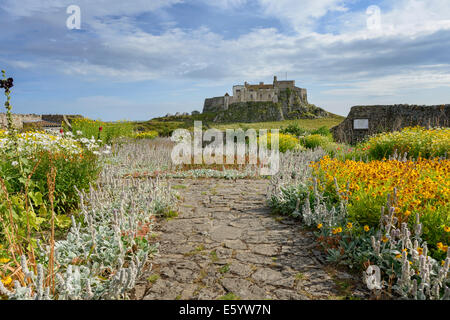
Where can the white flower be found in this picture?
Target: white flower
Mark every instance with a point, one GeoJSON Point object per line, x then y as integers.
{"type": "Point", "coordinates": [79, 132]}
{"type": "Point", "coordinates": [14, 163]}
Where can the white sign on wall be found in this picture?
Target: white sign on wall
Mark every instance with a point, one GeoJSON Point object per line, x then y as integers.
{"type": "Point", "coordinates": [361, 124]}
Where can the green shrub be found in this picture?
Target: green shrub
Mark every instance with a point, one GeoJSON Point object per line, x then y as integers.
{"type": "Point", "coordinates": [286, 142]}
{"type": "Point", "coordinates": [416, 142]}
{"type": "Point", "coordinates": [295, 130]}
{"type": "Point", "coordinates": [323, 131]}
{"type": "Point", "coordinates": [105, 131]}
{"type": "Point", "coordinates": [316, 140]}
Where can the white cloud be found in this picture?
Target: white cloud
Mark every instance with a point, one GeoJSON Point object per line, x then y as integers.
{"type": "Point", "coordinates": [300, 14]}
{"type": "Point", "coordinates": [406, 54]}
{"type": "Point", "coordinates": [89, 8]}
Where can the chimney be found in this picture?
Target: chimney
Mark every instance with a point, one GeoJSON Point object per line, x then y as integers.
{"type": "Point", "coordinates": [275, 80]}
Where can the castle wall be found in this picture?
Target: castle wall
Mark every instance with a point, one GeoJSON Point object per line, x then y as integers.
{"type": "Point", "coordinates": [283, 85]}
{"type": "Point", "coordinates": [214, 104]}
{"type": "Point", "coordinates": [256, 93]}
{"type": "Point", "coordinates": [375, 119]}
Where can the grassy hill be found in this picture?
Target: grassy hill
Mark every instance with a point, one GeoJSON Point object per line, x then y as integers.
{"type": "Point", "coordinates": [166, 125]}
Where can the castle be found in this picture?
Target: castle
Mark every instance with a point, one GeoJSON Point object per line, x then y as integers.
{"type": "Point", "coordinates": [255, 93]}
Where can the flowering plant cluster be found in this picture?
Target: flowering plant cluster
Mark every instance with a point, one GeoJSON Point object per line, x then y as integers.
{"type": "Point", "coordinates": [146, 135]}
{"type": "Point", "coordinates": [104, 131]}
{"type": "Point", "coordinates": [422, 188]}
{"type": "Point", "coordinates": [408, 270]}
{"type": "Point", "coordinates": [105, 251]}
{"type": "Point", "coordinates": [415, 141]}
{"type": "Point", "coordinates": [286, 142]}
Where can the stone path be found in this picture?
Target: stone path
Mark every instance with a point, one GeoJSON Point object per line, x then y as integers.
{"type": "Point", "coordinates": [226, 243]}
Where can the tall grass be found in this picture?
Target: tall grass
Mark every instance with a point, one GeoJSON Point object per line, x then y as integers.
{"type": "Point", "coordinates": [105, 131]}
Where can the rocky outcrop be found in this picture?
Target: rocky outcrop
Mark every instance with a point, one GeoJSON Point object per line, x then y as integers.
{"type": "Point", "coordinates": [290, 105]}
{"type": "Point", "coordinates": [251, 112]}
{"type": "Point", "coordinates": [382, 118]}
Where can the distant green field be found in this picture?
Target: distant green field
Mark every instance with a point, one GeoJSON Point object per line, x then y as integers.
{"type": "Point", "coordinates": [308, 124]}
{"type": "Point", "coordinates": [166, 126]}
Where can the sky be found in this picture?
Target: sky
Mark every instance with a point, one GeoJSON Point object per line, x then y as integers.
{"type": "Point", "coordinates": [140, 59]}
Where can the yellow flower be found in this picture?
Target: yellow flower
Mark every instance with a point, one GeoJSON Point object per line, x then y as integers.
{"type": "Point", "coordinates": [399, 256]}
{"type": "Point", "coordinates": [405, 250]}
{"type": "Point", "coordinates": [4, 260]}
{"type": "Point", "coordinates": [337, 230]}
{"type": "Point", "coordinates": [366, 228]}
{"type": "Point", "coordinates": [440, 245]}
{"type": "Point", "coordinates": [420, 251]}
{"type": "Point", "coordinates": [349, 225]}
{"type": "Point", "coordinates": [319, 226]}
{"type": "Point", "coordinates": [7, 281]}
{"type": "Point", "coordinates": [385, 239]}
{"type": "Point", "coordinates": [407, 213]}
{"type": "Point", "coordinates": [447, 229]}
{"type": "Point", "coordinates": [442, 262]}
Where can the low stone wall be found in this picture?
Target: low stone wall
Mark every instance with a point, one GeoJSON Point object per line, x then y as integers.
{"type": "Point", "coordinates": [58, 118]}
{"type": "Point", "coordinates": [376, 119]}
{"type": "Point", "coordinates": [17, 120]}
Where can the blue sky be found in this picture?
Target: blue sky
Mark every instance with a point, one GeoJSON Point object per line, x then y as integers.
{"type": "Point", "coordinates": [141, 59]}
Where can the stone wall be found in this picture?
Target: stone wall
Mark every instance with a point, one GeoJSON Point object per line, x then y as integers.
{"type": "Point", "coordinates": [18, 120]}
{"type": "Point", "coordinates": [214, 104]}
{"type": "Point", "coordinates": [388, 118]}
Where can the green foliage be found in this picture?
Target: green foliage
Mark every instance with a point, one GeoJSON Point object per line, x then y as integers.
{"type": "Point", "coordinates": [146, 135]}
{"type": "Point", "coordinates": [105, 131]}
{"type": "Point", "coordinates": [72, 171]}
{"type": "Point", "coordinates": [323, 131]}
{"type": "Point", "coordinates": [285, 142]}
{"type": "Point", "coordinates": [230, 296]}
{"type": "Point", "coordinates": [316, 140]}
{"type": "Point", "coordinates": [415, 142]}
{"type": "Point", "coordinates": [295, 130]}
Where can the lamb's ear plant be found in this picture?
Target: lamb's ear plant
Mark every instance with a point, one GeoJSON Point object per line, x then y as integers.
{"type": "Point", "coordinates": [107, 247]}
